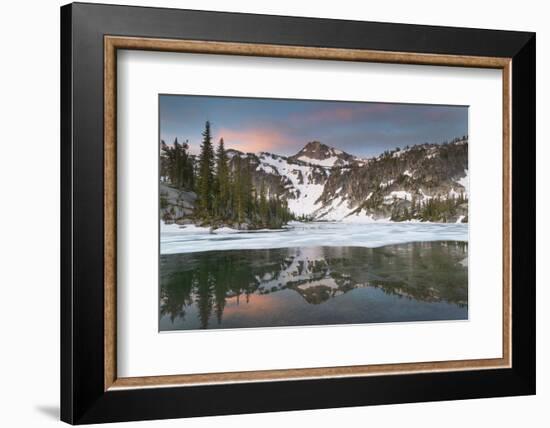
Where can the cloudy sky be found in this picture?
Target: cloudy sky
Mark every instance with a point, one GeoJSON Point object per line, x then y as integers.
{"type": "Point", "coordinates": [285, 126]}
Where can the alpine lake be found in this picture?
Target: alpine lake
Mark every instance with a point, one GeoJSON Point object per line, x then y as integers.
{"type": "Point", "coordinates": [209, 288]}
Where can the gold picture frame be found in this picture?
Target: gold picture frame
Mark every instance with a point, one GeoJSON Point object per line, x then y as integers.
{"type": "Point", "coordinates": [114, 43]}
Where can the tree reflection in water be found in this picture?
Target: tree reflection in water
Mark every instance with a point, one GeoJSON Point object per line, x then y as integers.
{"type": "Point", "coordinates": [203, 283]}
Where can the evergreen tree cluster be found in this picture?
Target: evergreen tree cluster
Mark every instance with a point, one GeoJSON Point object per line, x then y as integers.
{"type": "Point", "coordinates": [435, 209]}
{"type": "Point", "coordinates": [226, 194]}
{"type": "Point", "coordinates": [176, 165]}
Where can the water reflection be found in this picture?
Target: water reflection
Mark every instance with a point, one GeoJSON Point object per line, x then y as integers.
{"type": "Point", "coordinates": [314, 285]}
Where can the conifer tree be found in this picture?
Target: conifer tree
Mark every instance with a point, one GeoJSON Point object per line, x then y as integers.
{"type": "Point", "coordinates": [245, 190]}
{"type": "Point", "coordinates": [263, 205]}
{"type": "Point", "coordinates": [176, 165]}
{"type": "Point", "coordinates": [237, 194]}
{"type": "Point", "coordinates": [190, 173]}
{"type": "Point", "coordinates": [222, 181]}
{"type": "Point", "coordinates": [165, 162]}
{"type": "Point", "coordinates": [206, 173]}
{"type": "Point", "coordinates": [178, 162]}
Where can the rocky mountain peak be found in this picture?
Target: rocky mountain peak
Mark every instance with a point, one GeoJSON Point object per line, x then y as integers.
{"type": "Point", "coordinates": [317, 153]}
{"type": "Point", "coordinates": [316, 150]}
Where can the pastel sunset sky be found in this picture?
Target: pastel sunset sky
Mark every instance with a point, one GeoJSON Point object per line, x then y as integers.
{"type": "Point", "coordinates": [284, 126]}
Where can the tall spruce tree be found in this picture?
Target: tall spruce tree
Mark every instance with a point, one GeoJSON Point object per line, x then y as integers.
{"type": "Point", "coordinates": [185, 167]}
{"type": "Point", "coordinates": [263, 205]}
{"type": "Point", "coordinates": [237, 191]}
{"type": "Point", "coordinates": [165, 161]}
{"type": "Point", "coordinates": [222, 181]}
{"type": "Point", "coordinates": [246, 190]}
{"type": "Point", "coordinates": [205, 190]}
{"type": "Point", "coordinates": [190, 173]}
{"type": "Point", "coordinates": [180, 162]}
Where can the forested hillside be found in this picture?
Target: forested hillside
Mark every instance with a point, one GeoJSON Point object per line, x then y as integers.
{"type": "Point", "coordinates": [225, 187]}
{"type": "Point", "coordinates": [222, 189]}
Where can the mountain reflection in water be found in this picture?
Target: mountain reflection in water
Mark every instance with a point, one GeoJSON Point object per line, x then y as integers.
{"type": "Point", "coordinates": [419, 281]}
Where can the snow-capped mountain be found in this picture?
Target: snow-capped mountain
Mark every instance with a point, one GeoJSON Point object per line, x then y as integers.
{"type": "Point", "coordinates": [427, 182]}
{"type": "Point", "coordinates": [395, 183]}
{"type": "Point", "coordinates": [316, 153]}
{"type": "Point", "coordinates": [323, 183]}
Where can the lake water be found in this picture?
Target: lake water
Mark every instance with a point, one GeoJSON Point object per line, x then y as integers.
{"type": "Point", "coordinates": [227, 280]}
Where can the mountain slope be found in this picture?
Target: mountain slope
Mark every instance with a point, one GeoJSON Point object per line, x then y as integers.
{"type": "Point", "coordinates": [427, 182]}
{"type": "Point", "coordinates": [398, 182]}
{"type": "Point", "coordinates": [397, 185]}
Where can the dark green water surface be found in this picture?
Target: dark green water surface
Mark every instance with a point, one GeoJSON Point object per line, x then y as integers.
{"type": "Point", "coordinates": [422, 281]}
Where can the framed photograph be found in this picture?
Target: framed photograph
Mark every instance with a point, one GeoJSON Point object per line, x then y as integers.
{"type": "Point", "coordinates": [266, 213]}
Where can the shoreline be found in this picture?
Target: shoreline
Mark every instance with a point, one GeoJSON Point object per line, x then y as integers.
{"type": "Point", "coordinates": [191, 238]}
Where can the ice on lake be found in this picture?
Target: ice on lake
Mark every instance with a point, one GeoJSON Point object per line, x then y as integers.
{"type": "Point", "coordinates": [176, 239]}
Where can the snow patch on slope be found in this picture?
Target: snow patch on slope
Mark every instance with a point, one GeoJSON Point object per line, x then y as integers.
{"type": "Point", "coordinates": [465, 182]}
{"type": "Point", "coordinates": [336, 210]}
{"type": "Point", "coordinates": [328, 162]}
{"type": "Point", "coordinates": [306, 192]}
{"type": "Point", "coordinates": [398, 194]}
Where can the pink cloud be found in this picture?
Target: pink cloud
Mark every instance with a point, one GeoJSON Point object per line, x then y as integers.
{"type": "Point", "coordinates": [254, 139]}
{"type": "Point", "coordinates": [343, 113]}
